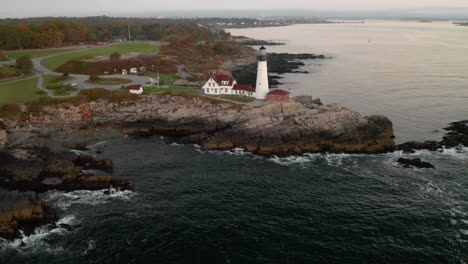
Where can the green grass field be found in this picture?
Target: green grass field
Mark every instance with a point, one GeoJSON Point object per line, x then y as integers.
{"type": "Point", "coordinates": [19, 92]}
{"type": "Point", "coordinates": [110, 81]}
{"type": "Point", "coordinates": [124, 48]}
{"type": "Point", "coordinates": [34, 53]}
{"type": "Point", "coordinates": [161, 90]}
{"type": "Point", "coordinates": [17, 78]}
{"type": "Point", "coordinates": [52, 82]}
{"type": "Point", "coordinates": [164, 78]}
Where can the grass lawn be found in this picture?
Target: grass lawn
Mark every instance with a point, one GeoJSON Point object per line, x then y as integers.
{"type": "Point", "coordinates": [15, 78]}
{"type": "Point", "coordinates": [19, 92]}
{"type": "Point", "coordinates": [34, 53]}
{"type": "Point", "coordinates": [124, 48]}
{"type": "Point", "coordinates": [52, 82]}
{"type": "Point", "coordinates": [160, 90]}
{"type": "Point", "coordinates": [164, 78]}
{"type": "Point", "coordinates": [238, 98]}
{"type": "Point", "coordinates": [110, 81]}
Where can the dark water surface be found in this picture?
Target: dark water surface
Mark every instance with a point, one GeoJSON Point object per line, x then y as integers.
{"type": "Point", "coordinates": [191, 206]}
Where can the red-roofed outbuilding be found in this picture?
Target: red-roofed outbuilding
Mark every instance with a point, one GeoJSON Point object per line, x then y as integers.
{"type": "Point", "coordinates": [135, 89]}
{"type": "Point", "coordinates": [279, 95]}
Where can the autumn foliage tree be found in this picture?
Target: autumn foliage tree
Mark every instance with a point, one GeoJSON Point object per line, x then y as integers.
{"type": "Point", "coordinates": [1, 55]}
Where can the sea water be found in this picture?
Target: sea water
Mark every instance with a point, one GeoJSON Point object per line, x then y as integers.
{"type": "Point", "coordinates": [195, 206]}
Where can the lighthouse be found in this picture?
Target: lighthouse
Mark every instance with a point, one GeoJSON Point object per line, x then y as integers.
{"type": "Point", "coordinates": [262, 88]}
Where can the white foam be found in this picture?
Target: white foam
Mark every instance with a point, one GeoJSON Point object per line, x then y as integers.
{"type": "Point", "coordinates": [36, 241]}
{"type": "Point", "coordinates": [80, 152]}
{"type": "Point", "coordinates": [64, 200]}
{"type": "Point", "coordinates": [99, 143]}
{"type": "Point", "coordinates": [464, 232]}
{"type": "Point", "coordinates": [91, 246]}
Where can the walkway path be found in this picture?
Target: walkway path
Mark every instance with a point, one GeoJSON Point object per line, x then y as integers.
{"type": "Point", "coordinates": [80, 79]}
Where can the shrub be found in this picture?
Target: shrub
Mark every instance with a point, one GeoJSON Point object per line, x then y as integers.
{"type": "Point", "coordinates": [115, 56]}
{"type": "Point", "coordinates": [94, 78]}
{"type": "Point", "coordinates": [10, 111]}
{"type": "Point", "coordinates": [37, 105]}
{"type": "Point", "coordinates": [95, 94]}
{"type": "Point", "coordinates": [40, 92]}
{"type": "Point", "coordinates": [7, 72]}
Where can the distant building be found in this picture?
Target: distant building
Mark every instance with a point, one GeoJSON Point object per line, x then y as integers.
{"type": "Point", "coordinates": [135, 89]}
{"type": "Point", "coordinates": [219, 83]}
{"type": "Point", "coordinates": [279, 95]}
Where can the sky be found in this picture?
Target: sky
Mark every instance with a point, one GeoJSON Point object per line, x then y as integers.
{"type": "Point", "coordinates": [34, 8]}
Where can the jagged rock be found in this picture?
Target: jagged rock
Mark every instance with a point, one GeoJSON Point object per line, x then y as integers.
{"type": "Point", "coordinates": [88, 162]}
{"type": "Point", "coordinates": [3, 138]}
{"type": "Point", "coordinates": [457, 134]}
{"type": "Point", "coordinates": [418, 163]}
{"type": "Point", "coordinates": [273, 129]}
{"type": "Point", "coordinates": [410, 147]}
{"type": "Point", "coordinates": [23, 211]}
{"type": "Point", "coordinates": [66, 227]}
{"type": "Point", "coordinates": [57, 171]}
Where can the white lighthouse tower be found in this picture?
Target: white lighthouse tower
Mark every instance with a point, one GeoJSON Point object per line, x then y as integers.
{"type": "Point", "coordinates": [262, 88]}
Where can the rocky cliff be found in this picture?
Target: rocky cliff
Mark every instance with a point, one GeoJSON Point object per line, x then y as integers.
{"type": "Point", "coordinates": [270, 129]}
{"type": "Point", "coordinates": [22, 211]}
{"type": "Point", "coordinates": [34, 154]}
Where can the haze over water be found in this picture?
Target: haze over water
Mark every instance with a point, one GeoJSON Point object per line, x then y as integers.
{"type": "Point", "coordinates": [414, 73]}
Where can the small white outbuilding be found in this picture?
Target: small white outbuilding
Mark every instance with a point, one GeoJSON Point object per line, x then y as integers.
{"type": "Point", "coordinates": [135, 89]}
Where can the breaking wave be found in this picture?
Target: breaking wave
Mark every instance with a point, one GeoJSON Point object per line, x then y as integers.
{"type": "Point", "coordinates": [64, 200]}
{"type": "Point", "coordinates": [37, 240]}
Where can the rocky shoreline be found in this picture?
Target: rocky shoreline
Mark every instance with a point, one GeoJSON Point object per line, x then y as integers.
{"type": "Point", "coordinates": [36, 157]}
{"type": "Point", "coordinates": [457, 135]}
{"type": "Point", "coordinates": [278, 63]}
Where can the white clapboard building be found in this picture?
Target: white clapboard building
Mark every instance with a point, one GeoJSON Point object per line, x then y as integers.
{"type": "Point", "coordinates": [222, 83]}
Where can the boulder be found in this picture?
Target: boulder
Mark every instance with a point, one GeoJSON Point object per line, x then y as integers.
{"type": "Point", "coordinates": [416, 163]}
{"type": "Point", "coordinates": [22, 211]}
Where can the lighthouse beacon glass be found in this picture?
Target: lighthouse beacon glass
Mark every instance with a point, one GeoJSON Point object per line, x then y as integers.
{"type": "Point", "coordinates": [262, 88]}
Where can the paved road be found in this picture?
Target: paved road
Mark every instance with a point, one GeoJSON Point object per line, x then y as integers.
{"type": "Point", "coordinates": [80, 79]}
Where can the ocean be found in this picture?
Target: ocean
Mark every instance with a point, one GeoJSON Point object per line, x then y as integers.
{"type": "Point", "coordinates": [194, 206]}
{"type": "Point", "coordinates": [414, 73]}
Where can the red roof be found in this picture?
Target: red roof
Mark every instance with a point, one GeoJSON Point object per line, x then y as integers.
{"type": "Point", "coordinates": [219, 77]}
{"type": "Point", "coordinates": [279, 92]}
{"type": "Point", "coordinates": [244, 87]}
{"type": "Point", "coordinates": [134, 87]}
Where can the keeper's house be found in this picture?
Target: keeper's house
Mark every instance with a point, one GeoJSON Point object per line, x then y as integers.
{"type": "Point", "coordinates": [219, 83]}
{"type": "Point", "coordinates": [243, 90]}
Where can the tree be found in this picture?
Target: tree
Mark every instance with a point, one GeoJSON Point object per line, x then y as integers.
{"type": "Point", "coordinates": [24, 64]}
{"type": "Point", "coordinates": [115, 56]}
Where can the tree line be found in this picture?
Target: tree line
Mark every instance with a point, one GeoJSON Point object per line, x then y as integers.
{"type": "Point", "coordinates": [58, 32]}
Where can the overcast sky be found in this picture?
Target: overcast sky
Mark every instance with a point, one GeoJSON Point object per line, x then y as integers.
{"type": "Point", "coordinates": [28, 8]}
